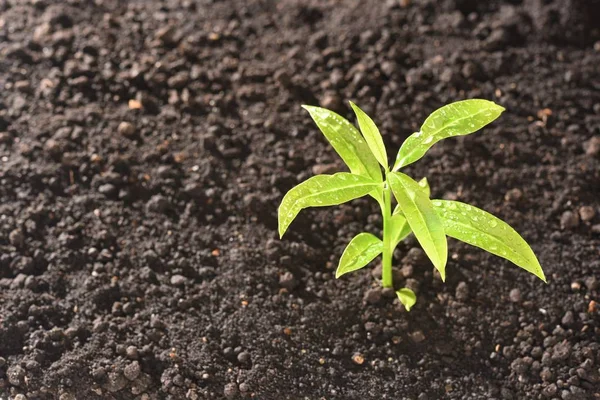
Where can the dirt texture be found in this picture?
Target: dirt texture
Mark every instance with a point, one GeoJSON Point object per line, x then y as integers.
{"type": "Point", "coordinates": [145, 147]}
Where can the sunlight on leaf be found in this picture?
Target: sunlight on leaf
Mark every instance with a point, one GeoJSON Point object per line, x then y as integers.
{"type": "Point", "coordinates": [455, 119]}
{"type": "Point", "coordinates": [480, 228]}
{"type": "Point", "coordinates": [321, 191]}
{"type": "Point", "coordinates": [422, 219]}
{"type": "Point", "coordinates": [361, 250]}
{"type": "Point", "coordinates": [372, 135]}
{"type": "Point", "coordinates": [347, 142]}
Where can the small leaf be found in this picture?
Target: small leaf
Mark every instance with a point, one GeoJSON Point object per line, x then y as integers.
{"type": "Point", "coordinates": [407, 297]}
{"type": "Point", "coordinates": [422, 219]}
{"type": "Point", "coordinates": [321, 191]}
{"type": "Point", "coordinates": [455, 119]}
{"type": "Point", "coordinates": [480, 228]}
{"type": "Point", "coordinates": [372, 135]}
{"type": "Point", "coordinates": [347, 142]}
{"type": "Point", "coordinates": [361, 250]}
{"type": "Point", "coordinates": [400, 228]}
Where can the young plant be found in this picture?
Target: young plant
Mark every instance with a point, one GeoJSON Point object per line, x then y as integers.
{"type": "Point", "coordinates": [429, 220]}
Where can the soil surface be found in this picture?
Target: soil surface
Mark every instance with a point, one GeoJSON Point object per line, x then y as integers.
{"type": "Point", "coordinates": [145, 147]}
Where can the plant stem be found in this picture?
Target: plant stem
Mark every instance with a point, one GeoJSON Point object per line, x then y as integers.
{"type": "Point", "coordinates": [386, 263]}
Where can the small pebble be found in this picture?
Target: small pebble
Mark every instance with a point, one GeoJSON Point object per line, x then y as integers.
{"type": "Point", "coordinates": [332, 101]}
{"type": "Point", "coordinates": [568, 319]}
{"type": "Point", "coordinates": [132, 352]}
{"type": "Point", "coordinates": [462, 291]}
{"type": "Point", "coordinates": [587, 213]}
{"type": "Point", "coordinates": [372, 296]}
{"type": "Point", "coordinates": [231, 390]}
{"type": "Point", "coordinates": [132, 371]}
{"type": "Point", "coordinates": [417, 336]}
{"type": "Point", "coordinates": [591, 283]}
{"type": "Point", "coordinates": [244, 357]}
{"type": "Point", "coordinates": [550, 390]}
{"type": "Point", "coordinates": [561, 351]}
{"type": "Point", "coordinates": [513, 195]}
{"type": "Point", "coordinates": [16, 375]}
{"type": "Point", "coordinates": [126, 129]}
{"type": "Point", "coordinates": [407, 271]}
{"type": "Point", "coordinates": [358, 359]}
{"type": "Point", "coordinates": [546, 374]}
{"type": "Point", "coordinates": [244, 387]}
{"type": "Point", "coordinates": [569, 220]}
{"type": "Point", "coordinates": [319, 169]}
{"type": "Point", "coordinates": [288, 281]}
{"type": "Point", "coordinates": [592, 146]}
{"type": "Point", "coordinates": [157, 203]}
{"type": "Point", "coordinates": [16, 238]}
{"type": "Point", "coordinates": [515, 295]}
{"type": "Point", "coordinates": [178, 280]}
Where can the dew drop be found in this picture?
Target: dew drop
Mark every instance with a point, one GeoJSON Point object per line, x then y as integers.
{"type": "Point", "coordinates": [493, 223]}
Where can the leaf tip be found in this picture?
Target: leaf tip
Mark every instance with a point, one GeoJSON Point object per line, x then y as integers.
{"type": "Point", "coordinates": [281, 228]}
{"type": "Point", "coordinates": [407, 298]}
{"type": "Point", "coordinates": [498, 107]}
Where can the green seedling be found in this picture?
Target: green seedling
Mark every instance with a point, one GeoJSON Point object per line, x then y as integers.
{"type": "Point", "coordinates": [429, 220]}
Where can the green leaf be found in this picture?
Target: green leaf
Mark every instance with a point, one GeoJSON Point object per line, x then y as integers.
{"type": "Point", "coordinates": [455, 119]}
{"type": "Point", "coordinates": [407, 297]}
{"type": "Point", "coordinates": [480, 228]}
{"type": "Point", "coordinates": [372, 135]}
{"type": "Point", "coordinates": [424, 184]}
{"type": "Point", "coordinates": [422, 218]}
{"type": "Point", "coordinates": [347, 142]}
{"type": "Point", "coordinates": [321, 191]}
{"type": "Point", "coordinates": [361, 250]}
{"type": "Point", "coordinates": [400, 228]}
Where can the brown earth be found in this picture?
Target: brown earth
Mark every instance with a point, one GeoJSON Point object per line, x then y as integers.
{"type": "Point", "coordinates": [146, 145]}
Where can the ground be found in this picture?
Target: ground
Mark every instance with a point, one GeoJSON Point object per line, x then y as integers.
{"type": "Point", "coordinates": [145, 147]}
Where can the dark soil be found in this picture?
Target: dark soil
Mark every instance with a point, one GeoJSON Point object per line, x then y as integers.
{"type": "Point", "coordinates": [146, 145]}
